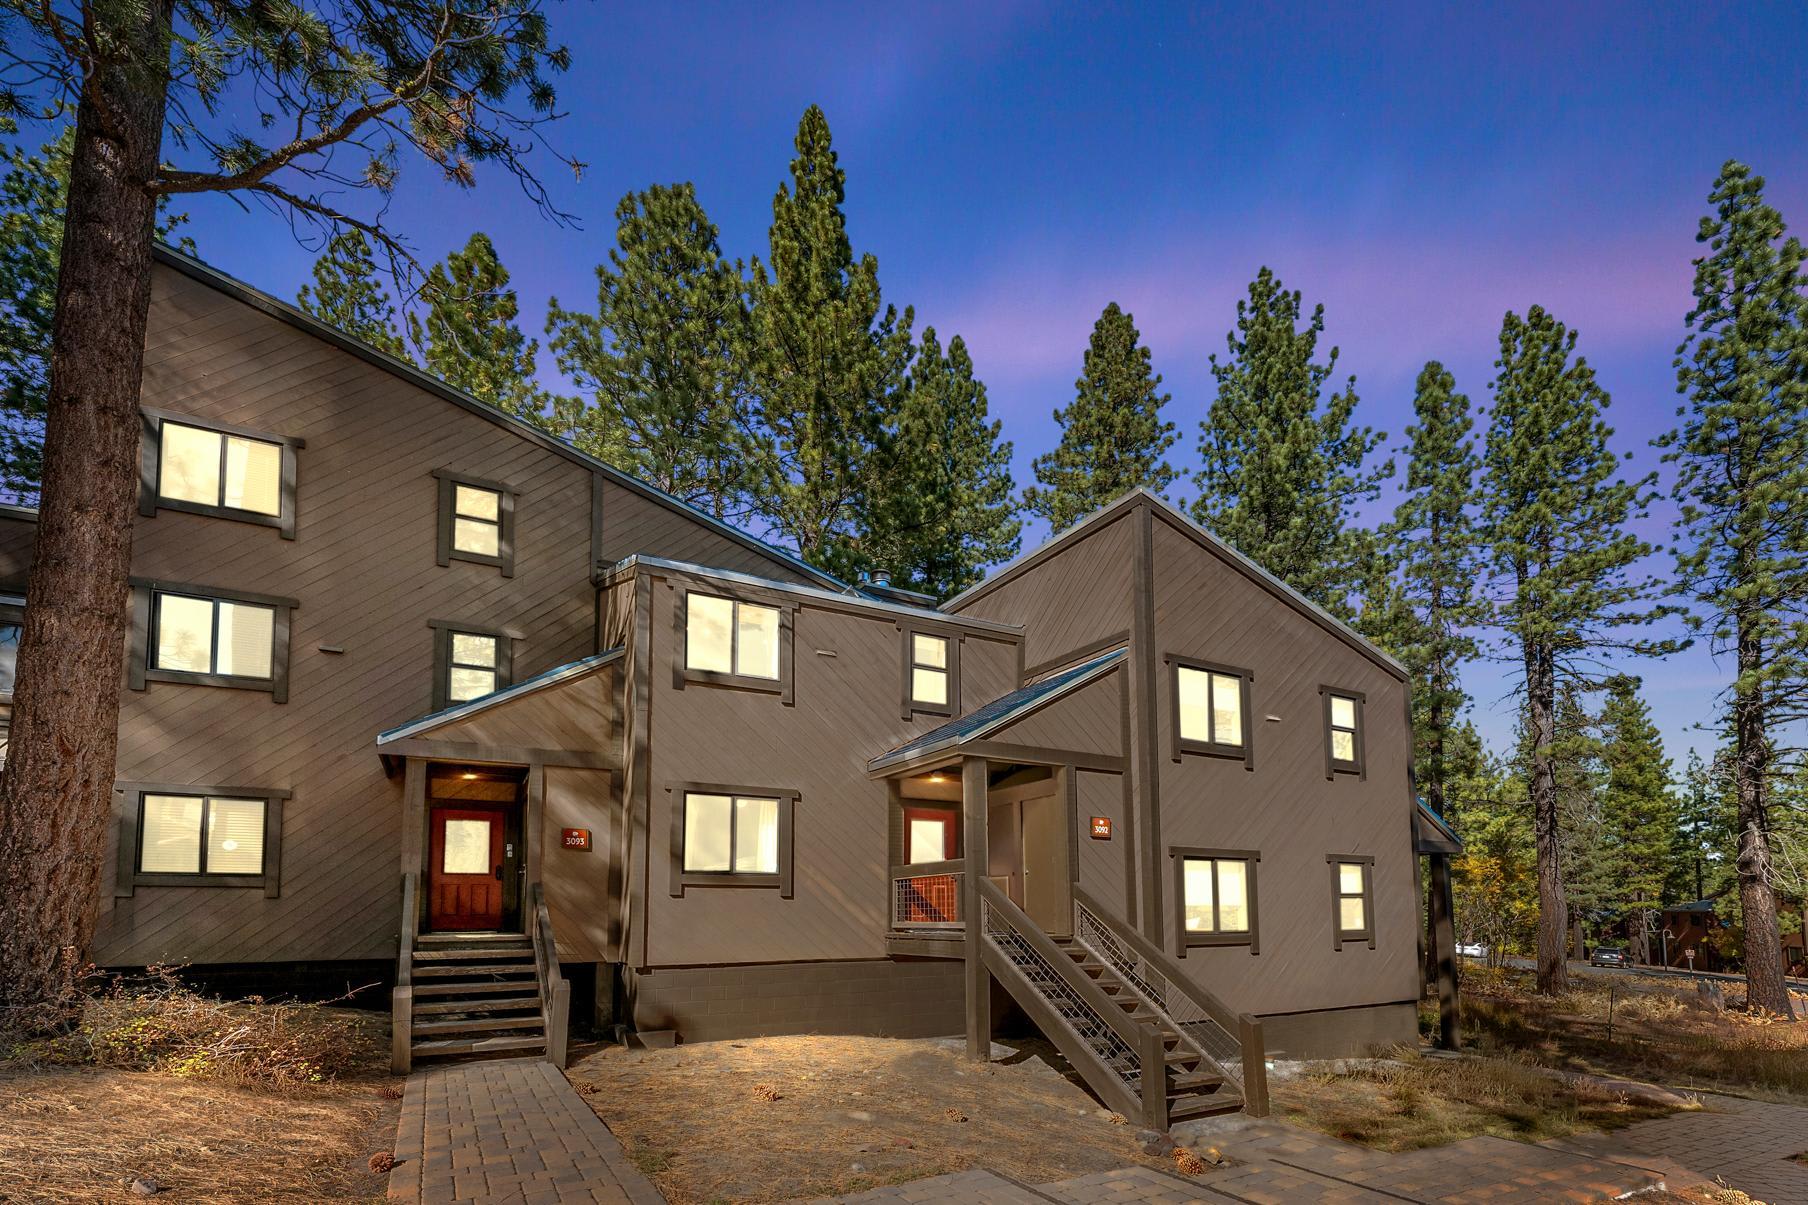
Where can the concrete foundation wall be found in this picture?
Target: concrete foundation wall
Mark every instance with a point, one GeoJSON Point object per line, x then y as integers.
{"type": "Point", "coordinates": [912, 999]}
{"type": "Point", "coordinates": [1340, 1032]}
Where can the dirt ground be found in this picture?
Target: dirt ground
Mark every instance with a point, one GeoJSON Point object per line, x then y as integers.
{"type": "Point", "coordinates": [84, 1133]}
{"type": "Point", "coordinates": [773, 1119]}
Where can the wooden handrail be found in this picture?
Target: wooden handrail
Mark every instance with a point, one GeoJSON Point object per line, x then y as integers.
{"type": "Point", "coordinates": [923, 870]}
{"type": "Point", "coordinates": [401, 1000]}
{"type": "Point", "coordinates": [555, 989]}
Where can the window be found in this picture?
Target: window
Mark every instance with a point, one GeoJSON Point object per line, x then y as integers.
{"type": "Point", "coordinates": [1343, 732]}
{"type": "Point", "coordinates": [1352, 899]}
{"type": "Point", "coordinates": [1211, 710]}
{"type": "Point", "coordinates": [930, 835]}
{"type": "Point", "coordinates": [931, 673]}
{"type": "Point", "coordinates": [726, 836]}
{"type": "Point", "coordinates": [9, 655]}
{"type": "Point", "coordinates": [467, 847]}
{"type": "Point", "coordinates": [217, 469]}
{"type": "Point", "coordinates": [199, 836]}
{"type": "Point", "coordinates": [209, 637]}
{"type": "Point", "coordinates": [469, 661]}
{"type": "Point", "coordinates": [734, 643]}
{"type": "Point", "coordinates": [476, 521]}
{"type": "Point", "coordinates": [1216, 889]}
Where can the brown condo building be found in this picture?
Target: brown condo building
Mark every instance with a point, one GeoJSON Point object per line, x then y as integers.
{"type": "Point", "coordinates": [411, 684]}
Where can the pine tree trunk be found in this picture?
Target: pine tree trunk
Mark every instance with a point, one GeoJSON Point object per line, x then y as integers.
{"type": "Point", "coordinates": [56, 789]}
{"type": "Point", "coordinates": [1553, 907]}
{"type": "Point", "coordinates": [1765, 987]}
{"type": "Point", "coordinates": [1641, 935]}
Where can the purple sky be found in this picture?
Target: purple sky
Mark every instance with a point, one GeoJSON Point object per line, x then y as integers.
{"type": "Point", "coordinates": [1418, 169]}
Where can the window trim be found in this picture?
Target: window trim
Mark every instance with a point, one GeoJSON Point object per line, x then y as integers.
{"type": "Point", "coordinates": [1340, 935]}
{"type": "Point", "coordinates": [910, 707]}
{"type": "Point", "coordinates": [783, 880]}
{"type": "Point", "coordinates": [443, 631]}
{"type": "Point", "coordinates": [505, 513]}
{"type": "Point", "coordinates": [150, 499]}
{"type": "Point", "coordinates": [128, 808]}
{"type": "Point", "coordinates": [1186, 939]}
{"type": "Point", "coordinates": [140, 672]}
{"type": "Point", "coordinates": [683, 675]}
{"type": "Point", "coordinates": [12, 613]}
{"type": "Point", "coordinates": [1178, 745]}
{"type": "Point", "coordinates": [1334, 767]}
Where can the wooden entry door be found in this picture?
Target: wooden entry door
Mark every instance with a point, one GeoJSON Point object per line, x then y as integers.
{"type": "Point", "coordinates": [465, 868]}
{"type": "Point", "coordinates": [1047, 886]}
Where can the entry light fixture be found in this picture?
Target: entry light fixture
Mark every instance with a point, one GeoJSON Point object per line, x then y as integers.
{"type": "Point", "coordinates": [468, 775]}
{"type": "Point", "coordinates": [938, 777]}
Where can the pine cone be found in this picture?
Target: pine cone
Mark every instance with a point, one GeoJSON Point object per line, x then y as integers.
{"type": "Point", "coordinates": [381, 1162]}
{"type": "Point", "coordinates": [1188, 1163]}
{"type": "Point", "coordinates": [765, 1092]}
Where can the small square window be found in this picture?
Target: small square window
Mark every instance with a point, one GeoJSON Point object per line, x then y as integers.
{"type": "Point", "coordinates": [1343, 733]}
{"type": "Point", "coordinates": [476, 521]}
{"type": "Point", "coordinates": [468, 664]}
{"type": "Point", "coordinates": [726, 636]}
{"type": "Point", "coordinates": [1352, 899]}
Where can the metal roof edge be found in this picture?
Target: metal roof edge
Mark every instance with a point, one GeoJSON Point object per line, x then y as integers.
{"type": "Point", "coordinates": [557, 675]}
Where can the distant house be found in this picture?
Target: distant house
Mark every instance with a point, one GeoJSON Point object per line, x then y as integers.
{"type": "Point", "coordinates": [413, 686]}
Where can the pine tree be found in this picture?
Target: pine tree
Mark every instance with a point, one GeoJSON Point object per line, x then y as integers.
{"type": "Point", "coordinates": [1555, 521]}
{"type": "Point", "coordinates": [1113, 438]}
{"type": "Point", "coordinates": [828, 364]}
{"type": "Point", "coordinates": [1282, 468]}
{"type": "Point", "coordinates": [348, 295]}
{"type": "Point", "coordinates": [943, 505]}
{"type": "Point", "coordinates": [1705, 822]}
{"type": "Point", "coordinates": [33, 193]}
{"type": "Point", "coordinates": [1432, 540]}
{"type": "Point", "coordinates": [664, 358]}
{"type": "Point", "coordinates": [470, 336]}
{"type": "Point", "coordinates": [1637, 809]}
{"type": "Point", "coordinates": [1741, 451]}
{"type": "Point", "coordinates": [1579, 772]}
{"type": "Point", "coordinates": [1492, 879]}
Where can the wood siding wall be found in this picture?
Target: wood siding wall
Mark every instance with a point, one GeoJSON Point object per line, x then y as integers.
{"type": "Point", "coordinates": [363, 567]}
{"type": "Point", "coordinates": [845, 711]}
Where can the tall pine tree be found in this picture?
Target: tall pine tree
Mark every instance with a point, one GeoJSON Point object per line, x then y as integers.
{"type": "Point", "coordinates": [1555, 518]}
{"type": "Point", "coordinates": [664, 359]}
{"type": "Point", "coordinates": [1637, 809]}
{"type": "Point", "coordinates": [1113, 439]}
{"type": "Point", "coordinates": [828, 362]}
{"type": "Point", "coordinates": [1432, 540]}
{"type": "Point", "coordinates": [942, 506]}
{"type": "Point", "coordinates": [1282, 467]}
{"type": "Point", "coordinates": [1741, 452]}
{"type": "Point", "coordinates": [470, 335]}
{"type": "Point", "coordinates": [348, 295]}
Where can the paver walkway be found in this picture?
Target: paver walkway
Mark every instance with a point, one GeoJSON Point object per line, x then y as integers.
{"type": "Point", "coordinates": [512, 1130]}
{"type": "Point", "coordinates": [1746, 1143]}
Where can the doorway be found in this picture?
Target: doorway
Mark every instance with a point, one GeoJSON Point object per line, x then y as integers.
{"type": "Point", "coordinates": [1027, 848]}
{"type": "Point", "coordinates": [474, 855]}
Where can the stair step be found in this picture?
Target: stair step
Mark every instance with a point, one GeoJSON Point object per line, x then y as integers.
{"type": "Point", "coordinates": [1177, 1057]}
{"type": "Point", "coordinates": [470, 939]}
{"type": "Point", "coordinates": [476, 1025]}
{"type": "Point", "coordinates": [473, 968]}
{"type": "Point", "coordinates": [472, 989]}
{"type": "Point", "coordinates": [454, 953]}
{"type": "Point", "coordinates": [1203, 1106]}
{"type": "Point", "coordinates": [477, 1046]}
{"type": "Point", "coordinates": [1202, 1082]}
{"type": "Point", "coordinates": [508, 1004]}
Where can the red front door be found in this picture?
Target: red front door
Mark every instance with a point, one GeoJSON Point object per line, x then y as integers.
{"type": "Point", "coordinates": [464, 878]}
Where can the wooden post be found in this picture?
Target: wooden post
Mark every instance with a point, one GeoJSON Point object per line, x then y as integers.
{"type": "Point", "coordinates": [1442, 926]}
{"type": "Point", "coordinates": [979, 981]}
{"type": "Point", "coordinates": [1255, 1066]}
{"type": "Point", "coordinates": [1154, 1059]}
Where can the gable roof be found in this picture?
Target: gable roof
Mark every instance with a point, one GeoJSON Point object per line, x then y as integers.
{"type": "Point", "coordinates": [1187, 526]}
{"type": "Point", "coordinates": [556, 676]}
{"type": "Point", "coordinates": [1001, 712]}
{"type": "Point", "coordinates": [1432, 834]}
{"type": "Point", "coordinates": [866, 602]}
{"type": "Point", "coordinates": [282, 311]}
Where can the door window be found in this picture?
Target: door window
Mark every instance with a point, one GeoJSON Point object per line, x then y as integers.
{"type": "Point", "coordinates": [467, 847]}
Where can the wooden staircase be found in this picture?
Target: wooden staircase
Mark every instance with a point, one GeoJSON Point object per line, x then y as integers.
{"type": "Point", "coordinates": [1193, 1085]}
{"type": "Point", "coordinates": [477, 994]}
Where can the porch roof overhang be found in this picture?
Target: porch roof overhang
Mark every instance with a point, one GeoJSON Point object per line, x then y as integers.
{"type": "Point", "coordinates": [1431, 834]}
{"type": "Point", "coordinates": [408, 739]}
{"type": "Point", "coordinates": [974, 728]}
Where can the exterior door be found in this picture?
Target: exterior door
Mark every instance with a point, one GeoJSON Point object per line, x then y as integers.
{"type": "Point", "coordinates": [465, 871]}
{"type": "Point", "coordinates": [1047, 889]}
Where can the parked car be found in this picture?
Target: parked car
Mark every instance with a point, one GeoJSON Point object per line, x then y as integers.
{"type": "Point", "coordinates": [1472, 949]}
{"type": "Point", "coordinates": [1608, 956]}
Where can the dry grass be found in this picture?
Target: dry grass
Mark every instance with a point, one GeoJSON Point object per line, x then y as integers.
{"type": "Point", "coordinates": [214, 1101]}
{"type": "Point", "coordinates": [1659, 1032]}
{"type": "Point", "coordinates": [845, 1114]}
{"type": "Point", "coordinates": [1406, 1102]}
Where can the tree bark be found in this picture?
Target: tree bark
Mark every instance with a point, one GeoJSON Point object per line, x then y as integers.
{"type": "Point", "coordinates": [1764, 984]}
{"type": "Point", "coordinates": [56, 789]}
{"type": "Point", "coordinates": [1553, 905]}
